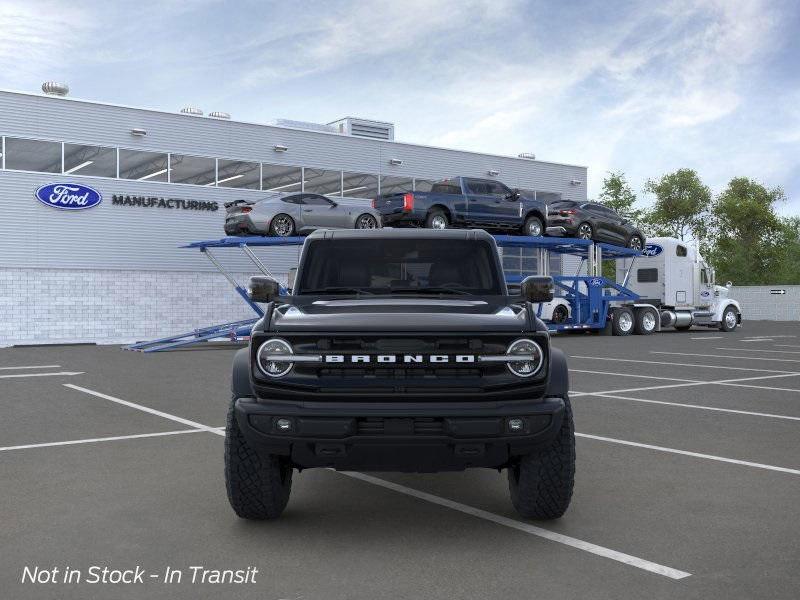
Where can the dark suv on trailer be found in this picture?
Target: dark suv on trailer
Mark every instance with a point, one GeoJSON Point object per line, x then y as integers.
{"type": "Point", "coordinates": [593, 221]}
{"type": "Point", "coordinates": [400, 350]}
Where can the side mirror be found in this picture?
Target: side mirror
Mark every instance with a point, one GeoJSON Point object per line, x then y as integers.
{"type": "Point", "coordinates": [263, 289]}
{"type": "Point", "coordinates": [537, 289]}
{"type": "Point", "coordinates": [729, 284]}
{"type": "Point", "coordinates": [514, 195]}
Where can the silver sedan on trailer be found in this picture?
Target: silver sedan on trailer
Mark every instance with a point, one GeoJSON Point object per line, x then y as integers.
{"type": "Point", "coordinates": [283, 215]}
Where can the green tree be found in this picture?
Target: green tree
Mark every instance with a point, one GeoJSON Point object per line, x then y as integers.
{"type": "Point", "coordinates": [618, 195]}
{"type": "Point", "coordinates": [751, 244]}
{"type": "Point", "coordinates": [681, 206]}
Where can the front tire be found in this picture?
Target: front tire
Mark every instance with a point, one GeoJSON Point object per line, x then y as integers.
{"type": "Point", "coordinates": [541, 483]}
{"type": "Point", "coordinates": [635, 242]}
{"type": "Point", "coordinates": [729, 320]}
{"type": "Point", "coordinates": [258, 486]}
{"type": "Point", "coordinates": [533, 227]}
{"type": "Point", "coordinates": [281, 226]}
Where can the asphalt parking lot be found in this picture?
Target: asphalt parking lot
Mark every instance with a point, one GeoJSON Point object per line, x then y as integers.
{"type": "Point", "coordinates": [688, 481]}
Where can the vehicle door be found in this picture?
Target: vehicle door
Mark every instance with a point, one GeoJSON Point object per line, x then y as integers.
{"type": "Point", "coordinates": [480, 201]}
{"type": "Point", "coordinates": [599, 219]}
{"type": "Point", "coordinates": [320, 211]}
{"type": "Point", "coordinates": [617, 225]}
{"type": "Point", "coordinates": [507, 207]}
{"type": "Point", "coordinates": [705, 289]}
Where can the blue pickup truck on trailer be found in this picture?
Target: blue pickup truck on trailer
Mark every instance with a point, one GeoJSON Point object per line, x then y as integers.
{"type": "Point", "coordinates": [465, 202]}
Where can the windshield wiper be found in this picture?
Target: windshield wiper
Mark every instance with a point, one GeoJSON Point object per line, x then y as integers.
{"type": "Point", "coordinates": [337, 290]}
{"type": "Point", "coordinates": [431, 290]}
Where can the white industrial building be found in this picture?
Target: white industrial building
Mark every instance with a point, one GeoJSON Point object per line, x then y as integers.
{"type": "Point", "coordinates": [115, 272]}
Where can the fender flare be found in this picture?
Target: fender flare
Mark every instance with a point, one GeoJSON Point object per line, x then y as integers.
{"type": "Point", "coordinates": [241, 386]}
{"type": "Point", "coordinates": [558, 385]}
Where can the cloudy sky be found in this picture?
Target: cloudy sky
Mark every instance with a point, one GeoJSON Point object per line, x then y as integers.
{"type": "Point", "coordinates": [641, 87]}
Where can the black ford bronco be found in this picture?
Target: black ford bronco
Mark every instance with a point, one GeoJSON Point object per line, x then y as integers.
{"type": "Point", "coordinates": [400, 350]}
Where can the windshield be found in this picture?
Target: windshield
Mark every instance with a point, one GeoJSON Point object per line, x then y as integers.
{"type": "Point", "coordinates": [397, 266]}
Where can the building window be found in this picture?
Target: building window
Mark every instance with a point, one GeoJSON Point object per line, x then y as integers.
{"type": "Point", "coordinates": [423, 185]}
{"type": "Point", "coordinates": [359, 185]}
{"type": "Point", "coordinates": [143, 166]}
{"type": "Point", "coordinates": [279, 178]}
{"type": "Point", "coordinates": [396, 185]}
{"type": "Point", "coordinates": [238, 174]}
{"type": "Point", "coordinates": [33, 155]}
{"type": "Point", "coordinates": [90, 160]}
{"type": "Point", "coordinates": [320, 181]}
{"type": "Point", "coordinates": [196, 170]}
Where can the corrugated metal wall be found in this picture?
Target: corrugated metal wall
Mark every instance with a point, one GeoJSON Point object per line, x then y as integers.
{"type": "Point", "coordinates": [129, 237]}
{"type": "Point", "coordinates": [767, 303]}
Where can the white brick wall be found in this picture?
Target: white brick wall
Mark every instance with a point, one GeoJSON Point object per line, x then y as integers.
{"type": "Point", "coordinates": [43, 306]}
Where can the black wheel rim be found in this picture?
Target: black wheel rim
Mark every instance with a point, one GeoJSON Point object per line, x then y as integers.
{"type": "Point", "coordinates": [635, 243]}
{"type": "Point", "coordinates": [585, 232]}
{"type": "Point", "coordinates": [282, 226]}
{"type": "Point", "coordinates": [366, 222]}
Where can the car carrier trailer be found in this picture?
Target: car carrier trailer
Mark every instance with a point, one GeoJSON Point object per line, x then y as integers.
{"type": "Point", "coordinates": [628, 305]}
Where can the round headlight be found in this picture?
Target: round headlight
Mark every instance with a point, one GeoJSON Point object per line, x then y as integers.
{"type": "Point", "coordinates": [528, 358]}
{"type": "Point", "coordinates": [271, 366]}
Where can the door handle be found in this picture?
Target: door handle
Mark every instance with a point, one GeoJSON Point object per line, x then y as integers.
{"type": "Point", "coordinates": [307, 210]}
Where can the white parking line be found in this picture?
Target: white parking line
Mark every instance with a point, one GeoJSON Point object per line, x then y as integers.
{"type": "Point", "coordinates": [697, 406]}
{"type": "Point", "coordinates": [674, 364]}
{"type": "Point", "coordinates": [731, 382]}
{"type": "Point", "coordinates": [757, 340]}
{"type": "Point", "coordinates": [687, 453]}
{"type": "Point", "coordinates": [708, 337]}
{"type": "Point", "coordinates": [794, 360]}
{"type": "Point", "coordinates": [146, 409]}
{"type": "Point", "coordinates": [101, 439]}
{"type": "Point", "coordinates": [560, 538]}
{"type": "Point", "coordinates": [633, 375]}
{"type": "Point", "coordinates": [787, 346]}
{"type": "Point", "coordinates": [759, 350]}
{"type": "Point", "coordinates": [62, 373]}
{"type": "Point", "coordinates": [31, 367]}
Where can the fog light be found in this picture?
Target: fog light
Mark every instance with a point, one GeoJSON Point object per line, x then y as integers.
{"type": "Point", "coordinates": [283, 424]}
{"type": "Point", "coordinates": [516, 425]}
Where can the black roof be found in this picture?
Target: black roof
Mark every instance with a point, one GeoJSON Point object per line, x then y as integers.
{"type": "Point", "coordinates": [388, 233]}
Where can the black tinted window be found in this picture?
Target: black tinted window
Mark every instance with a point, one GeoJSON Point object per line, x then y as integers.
{"type": "Point", "coordinates": [476, 186]}
{"type": "Point", "coordinates": [680, 250]}
{"type": "Point", "coordinates": [446, 187]}
{"type": "Point", "coordinates": [315, 200]}
{"type": "Point", "coordinates": [292, 200]}
{"type": "Point", "coordinates": [381, 266]}
{"type": "Point", "coordinates": [647, 275]}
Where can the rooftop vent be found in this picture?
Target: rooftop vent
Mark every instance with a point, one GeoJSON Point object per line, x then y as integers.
{"type": "Point", "coordinates": [376, 130]}
{"type": "Point", "coordinates": [527, 155]}
{"type": "Point", "coordinates": [303, 125]}
{"type": "Point", "coordinates": [53, 88]}
{"type": "Point", "coordinates": [192, 110]}
{"type": "Point", "coordinates": [219, 115]}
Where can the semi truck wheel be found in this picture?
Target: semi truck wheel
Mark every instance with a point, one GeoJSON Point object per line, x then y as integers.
{"type": "Point", "coordinates": [645, 323]}
{"type": "Point", "coordinates": [258, 487]}
{"type": "Point", "coordinates": [729, 320]}
{"type": "Point", "coordinates": [622, 321]}
{"type": "Point", "coordinates": [541, 482]}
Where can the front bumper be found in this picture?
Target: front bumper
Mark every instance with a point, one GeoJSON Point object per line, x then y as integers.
{"type": "Point", "coordinates": [399, 436]}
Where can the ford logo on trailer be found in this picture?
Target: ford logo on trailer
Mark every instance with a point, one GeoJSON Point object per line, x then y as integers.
{"type": "Point", "coordinates": [68, 196]}
{"type": "Point", "coordinates": [595, 282]}
{"type": "Point", "coordinates": [652, 250]}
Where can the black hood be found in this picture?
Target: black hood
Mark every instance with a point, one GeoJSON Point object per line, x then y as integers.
{"type": "Point", "coordinates": [484, 314]}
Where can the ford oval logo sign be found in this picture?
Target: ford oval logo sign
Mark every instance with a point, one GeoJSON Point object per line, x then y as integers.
{"type": "Point", "coordinates": [652, 250]}
{"type": "Point", "coordinates": [595, 282]}
{"type": "Point", "coordinates": [68, 196]}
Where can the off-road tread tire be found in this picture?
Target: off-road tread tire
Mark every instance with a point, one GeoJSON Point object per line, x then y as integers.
{"type": "Point", "coordinates": [541, 483]}
{"type": "Point", "coordinates": [255, 486]}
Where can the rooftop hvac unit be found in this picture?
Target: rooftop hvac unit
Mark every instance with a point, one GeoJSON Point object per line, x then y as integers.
{"type": "Point", "coordinates": [53, 88]}
{"type": "Point", "coordinates": [376, 130]}
{"type": "Point", "coordinates": [219, 115]}
{"type": "Point", "coordinates": [527, 155]}
{"type": "Point", "coordinates": [192, 110]}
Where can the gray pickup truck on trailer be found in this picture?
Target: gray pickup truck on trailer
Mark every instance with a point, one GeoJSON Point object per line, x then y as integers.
{"type": "Point", "coordinates": [400, 350]}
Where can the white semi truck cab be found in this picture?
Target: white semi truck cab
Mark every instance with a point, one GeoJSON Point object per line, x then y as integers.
{"type": "Point", "coordinates": [672, 276]}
